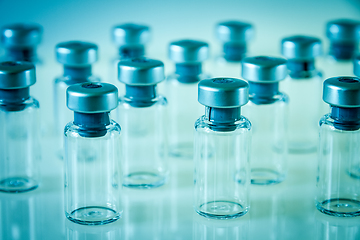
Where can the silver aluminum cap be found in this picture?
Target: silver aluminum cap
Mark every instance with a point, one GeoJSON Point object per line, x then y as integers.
{"type": "Point", "coordinates": [301, 47]}
{"type": "Point", "coordinates": [92, 97]}
{"type": "Point", "coordinates": [141, 71]}
{"type": "Point", "coordinates": [76, 53]}
{"type": "Point", "coordinates": [21, 35]}
{"type": "Point", "coordinates": [130, 34]}
{"type": "Point", "coordinates": [357, 66]}
{"type": "Point", "coordinates": [342, 91]}
{"type": "Point", "coordinates": [188, 51]}
{"type": "Point", "coordinates": [343, 30]}
{"type": "Point", "coordinates": [223, 92]}
{"type": "Point", "coordinates": [15, 75]}
{"type": "Point", "coordinates": [234, 32]}
{"type": "Point", "coordinates": [264, 69]}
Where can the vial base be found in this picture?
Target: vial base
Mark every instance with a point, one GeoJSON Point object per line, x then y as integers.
{"type": "Point", "coordinates": [18, 184]}
{"type": "Point", "coordinates": [182, 150]}
{"type": "Point", "coordinates": [221, 210]}
{"type": "Point", "coordinates": [144, 180]}
{"type": "Point", "coordinates": [354, 171]}
{"type": "Point", "coordinates": [263, 176]}
{"type": "Point", "coordinates": [340, 207]}
{"type": "Point", "coordinates": [93, 215]}
{"type": "Point", "coordinates": [298, 147]}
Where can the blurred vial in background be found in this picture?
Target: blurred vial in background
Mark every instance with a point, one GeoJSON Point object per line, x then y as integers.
{"type": "Point", "coordinates": [19, 128]}
{"type": "Point", "coordinates": [222, 150]}
{"type": "Point", "coordinates": [344, 38]}
{"type": "Point", "coordinates": [130, 39]}
{"type": "Point", "coordinates": [338, 185]}
{"type": "Point", "coordinates": [181, 89]}
{"type": "Point", "coordinates": [77, 58]}
{"type": "Point", "coordinates": [303, 87]}
{"type": "Point", "coordinates": [92, 155]}
{"type": "Point", "coordinates": [234, 37]}
{"type": "Point", "coordinates": [357, 66]}
{"type": "Point", "coordinates": [267, 110]}
{"type": "Point", "coordinates": [141, 113]}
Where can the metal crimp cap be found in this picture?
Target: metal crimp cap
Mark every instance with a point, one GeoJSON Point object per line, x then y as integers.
{"type": "Point", "coordinates": [264, 69]}
{"type": "Point", "coordinates": [342, 91]}
{"type": "Point", "coordinates": [15, 75]}
{"type": "Point", "coordinates": [301, 47]}
{"type": "Point", "coordinates": [92, 97]}
{"type": "Point", "coordinates": [130, 34]}
{"type": "Point", "coordinates": [234, 32]}
{"type": "Point", "coordinates": [346, 30]}
{"type": "Point", "coordinates": [76, 53]}
{"type": "Point", "coordinates": [188, 51]}
{"type": "Point", "coordinates": [21, 35]}
{"type": "Point", "coordinates": [223, 92]}
{"type": "Point", "coordinates": [357, 66]}
{"type": "Point", "coordinates": [141, 71]}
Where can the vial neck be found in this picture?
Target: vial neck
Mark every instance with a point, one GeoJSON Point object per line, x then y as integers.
{"type": "Point", "coordinates": [13, 98]}
{"type": "Point", "coordinates": [77, 72]}
{"type": "Point", "coordinates": [343, 50]}
{"type": "Point", "coordinates": [92, 124]}
{"type": "Point", "coordinates": [345, 118]}
{"type": "Point", "coordinates": [131, 51]}
{"type": "Point", "coordinates": [301, 68]}
{"type": "Point", "coordinates": [141, 96]}
{"type": "Point", "coordinates": [223, 118]}
{"type": "Point", "coordinates": [22, 54]}
{"type": "Point", "coordinates": [234, 52]}
{"type": "Point", "coordinates": [188, 73]}
{"type": "Point", "coordinates": [263, 93]}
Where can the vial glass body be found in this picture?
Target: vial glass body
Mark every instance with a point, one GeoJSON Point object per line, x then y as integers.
{"type": "Point", "coordinates": [269, 138]}
{"type": "Point", "coordinates": [144, 142]}
{"type": "Point", "coordinates": [19, 146]}
{"type": "Point", "coordinates": [338, 185]}
{"type": "Point", "coordinates": [222, 169]}
{"type": "Point", "coordinates": [92, 176]}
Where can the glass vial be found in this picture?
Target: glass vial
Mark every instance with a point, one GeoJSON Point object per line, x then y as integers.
{"type": "Point", "coordinates": [267, 109]}
{"type": "Point", "coordinates": [234, 37]}
{"type": "Point", "coordinates": [130, 39]}
{"type": "Point", "coordinates": [303, 86]}
{"type": "Point", "coordinates": [338, 185]}
{"type": "Point", "coordinates": [19, 128]}
{"type": "Point", "coordinates": [92, 173]}
{"type": "Point", "coordinates": [181, 89]}
{"type": "Point", "coordinates": [222, 150]}
{"type": "Point", "coordinates": [77, 58]}
{"type": "Point", "coordinates": [141, 113]}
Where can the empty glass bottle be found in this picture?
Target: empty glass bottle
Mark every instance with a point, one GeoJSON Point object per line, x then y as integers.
{"type": "Point", "coordinates": [141, 113]}
{"type": "Point", "coordinates": [267, 110]}
{"type": "Point", "coordinates": [92, 155]}
{"type": "Point", "coordinates": [19, 128]}
{"type": "Point", "coordinates": [181, 89]}
{"type": "Point", "coordinates": [338, 185]}
{"type": "Point", "coordinates": [222, 150]}
{"type": "Point", "coordinates": [304, 89]}
{"type": "Point", "coordinates": [77, 58]}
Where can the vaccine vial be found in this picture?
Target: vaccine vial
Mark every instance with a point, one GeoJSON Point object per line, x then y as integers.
{"type": "Point", "coordinates": [338, 185]}
{"type": "Point", "coordinates": [77, 58]}
{"type": "Point", "coordinates": [142, 115]}
{"type": "Point", "coordinates": [92, 155]}
{"type": "Point", "coordinates": [303, 86]}
{"type": "Point", "coordinates": [19, 128]}
{"type": "Point", "coordinates": [344, 38]}
{"type": "Point", "coordinates": [181, 89]}
{"type": "Point", "coordinates": [130, 39]}
{"type": "Point", "coordinates": [267, 109]}
{"type": "Point", "coordinates": [234, 37]}
{"type": "Point", "coordinates": [222, 150]}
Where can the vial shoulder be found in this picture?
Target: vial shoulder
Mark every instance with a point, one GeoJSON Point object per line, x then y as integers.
{"type": "Point", "coordinates": [203, 123]}
{"type": "Point", "coordinates": [72, 130]}
{"type": "Point", "coordinates": [65, 81]}
{"type": "Point", "coordinates": [158, 101]}
{"type": "Point", "coordinates": [26, 105]}
{"type": "Point", "coordinates": [278, 99]}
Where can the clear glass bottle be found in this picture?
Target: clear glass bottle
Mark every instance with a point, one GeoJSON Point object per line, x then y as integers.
{"type": "Point", "coordinates": [130, 39]}
{"type": "Point", "coordinates": [267, 109]}
{"type": "Point", "coordinates": [181, 89]}
{"type": "Point", "coordinates": [222, 150]}
{"type": "Point", "coordinates": [19, 128]}
{"type": "Point", "coordinates": [142, 115]}
{"type": "Point", "coordinates": [77, 58]}
{"type": "Point", "coordinates": [303, 87]}
{"type": "Point", "coordinates": [338, 185]}
{"type": "Point", "coordinates": [234, 36]}
{"type": "Point", "coordinates": [92, 155]}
